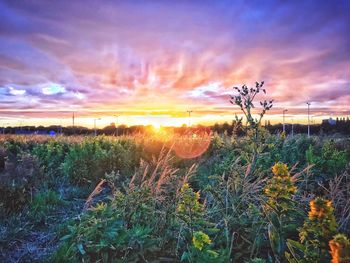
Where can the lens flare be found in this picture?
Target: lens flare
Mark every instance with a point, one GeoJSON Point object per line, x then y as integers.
{"type": "Point", "coordinates": [191, 145]}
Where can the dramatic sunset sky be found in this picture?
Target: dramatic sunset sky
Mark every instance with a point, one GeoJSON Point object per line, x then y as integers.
{"type": "Point", "coordinates": [151, 61]}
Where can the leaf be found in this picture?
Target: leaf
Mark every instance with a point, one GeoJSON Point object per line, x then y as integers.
{"type": "Point", "coordinates": [81, 249]}
{"type": "Point", "coordinates": [291, 244]}
{"type": "Point", "coordinates": [65, 237]}
{"type": "Point", "coordinates": [185, 256]}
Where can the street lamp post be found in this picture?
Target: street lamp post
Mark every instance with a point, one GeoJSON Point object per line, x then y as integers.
{"type": "Point", "coordinates": [189, 117]}
{"type": "Point", "coordinates": [308, 118]}
{"type": "Point", "coordinates": [284, 125]}
{"type": "Point", "coordinates": [95, 125]}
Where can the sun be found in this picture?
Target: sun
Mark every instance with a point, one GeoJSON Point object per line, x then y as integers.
{"type": "Point", "coordinates": [157, 126]}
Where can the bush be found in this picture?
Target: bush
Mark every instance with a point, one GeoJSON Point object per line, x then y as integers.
{"type": "Point", "coordinates": [103, 233]}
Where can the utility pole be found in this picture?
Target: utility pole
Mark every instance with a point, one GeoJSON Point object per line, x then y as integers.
{"type": "Point", "coordinates": [116, 125]}
{"type": "Point", "coordinates": [189, 117]}
{"type": "Point", "coordinates": [292, 127]}
{"type": "Point", "coordinates": [308, 118]}
{"type": "Point", "coordinates": [284, 125]}
{"type": "Point", "coordinates": [95, 125]}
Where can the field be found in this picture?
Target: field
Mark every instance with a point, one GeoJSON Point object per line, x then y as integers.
{"type": "Point", "coordinates": [161, 198]}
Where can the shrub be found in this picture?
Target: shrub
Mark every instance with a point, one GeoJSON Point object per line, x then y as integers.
{"type": "Point", "coordinates": [329, 162]}
{"type": "Point", "coordinates": [103, 234]}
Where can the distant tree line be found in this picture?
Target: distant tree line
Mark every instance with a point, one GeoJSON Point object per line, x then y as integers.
{"type": "Point", "coordinates": [329, 126]}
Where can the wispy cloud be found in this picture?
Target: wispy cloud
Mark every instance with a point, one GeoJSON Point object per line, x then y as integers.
{"type": "Point", "coordinates": [172, 55]}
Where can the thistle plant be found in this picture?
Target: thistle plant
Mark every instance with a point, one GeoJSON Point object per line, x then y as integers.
{"type": "Point", "coordinates": [245, 99]}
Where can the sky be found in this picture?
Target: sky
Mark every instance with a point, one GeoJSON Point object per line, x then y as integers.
{"type": "Point", "coordinates": [151, 61]}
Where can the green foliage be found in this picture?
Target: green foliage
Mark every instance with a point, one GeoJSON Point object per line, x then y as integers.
{"type": "Point", "coordinates": [258, 260]}
{"type": "Point", "coordinates": [137, 225]}
{"type": "Point", "coordinates": [51, 155]}
{"type": "Point", "coordinates": [125, 230]}
{"type": "Point", "coordinates": [88, 161]}
{"type": "Point", "coordinates": [103, 234]}
{"type": "Point", "coordinates": [189, 209]}
{"type": "Point", "coordinates": [329, 162]}
{"type": "Point", "coordinates": [234, 207]}
{"type": "Point", "coordinates": [43, 204]}
{"type": "Point", "coordinates": [199, 250]}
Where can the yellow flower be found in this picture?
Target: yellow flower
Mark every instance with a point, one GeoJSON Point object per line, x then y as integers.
{"type": "Point", "coordinates": [281, 184]}
{"type": "Point", "coordinates": [200, 239]}
{"type": "Point", "coordinates": [320, 208]}
{"type": "Point", "coordinates": [280, 169]}
{"type": "Point", "coordinates": [283, 135]}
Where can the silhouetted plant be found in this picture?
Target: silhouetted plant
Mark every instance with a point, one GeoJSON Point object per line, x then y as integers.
{"type": "Point", "coordinates": [245, 99]}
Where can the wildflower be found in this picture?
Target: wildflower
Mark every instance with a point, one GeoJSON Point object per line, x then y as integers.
{"type": "Point", "coordinates": [280, 169]}
{"type": "Point", "coordinates": [340, 249]}
{"type": "Point", "coordinates": [281, 185]}
{"type": "Point", "coordinates": [200, 239]}
{"type": "Point", "coordinates": [319, 227]}
{"type": "Point", "coordinates": [320, 209]}
{"type": "Point", "coordinates": [189, 200]}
